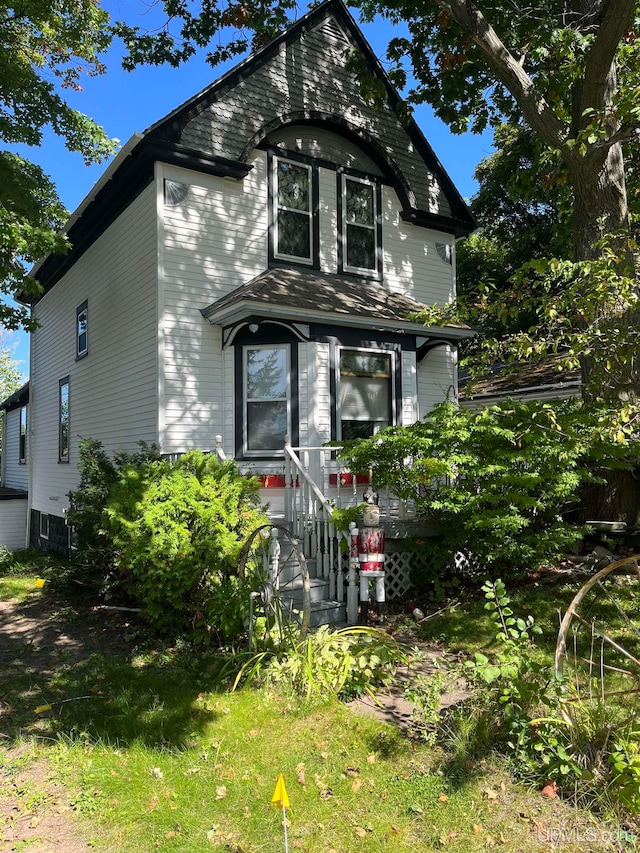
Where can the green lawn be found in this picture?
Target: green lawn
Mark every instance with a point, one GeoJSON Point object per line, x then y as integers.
{"type": "Point", "coordinates": [155, 753]}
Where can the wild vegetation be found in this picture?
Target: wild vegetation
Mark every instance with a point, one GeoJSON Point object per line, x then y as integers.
{"type": "Point", "coordinates": [499, 483]}
{"type": "Point", "coordinates": [153, 751]}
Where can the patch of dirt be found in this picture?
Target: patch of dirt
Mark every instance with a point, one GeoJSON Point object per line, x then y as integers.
{"type": "Point", "coordinates": [40, 635]}
{"type": "Point", "coordinates": [392, 706]}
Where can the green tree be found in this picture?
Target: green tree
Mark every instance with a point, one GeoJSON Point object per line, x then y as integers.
{"type": "Point", "coordinates": [10, 373]}
{"type": "Point", "coordinates": [45, 49]}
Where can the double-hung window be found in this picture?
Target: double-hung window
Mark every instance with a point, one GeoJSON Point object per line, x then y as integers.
{"type": "Point", "coordinates": [267, 398]}
{"type": "Point", "coordinates": [22, 455]}
{"type": "Point", "coordinates": [82, 320]}
{"type": "Point", "coordinates": [293, 211]}
{"type": "Point", "coordinates": [359, 225]}
{"type": "Point", "coordinates": [365, 392]}
{"type": "Point", "coordinates": [63, 420]}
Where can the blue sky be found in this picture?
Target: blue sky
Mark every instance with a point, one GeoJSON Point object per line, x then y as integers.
{"type": "Point", "coordinates": [126, 102]}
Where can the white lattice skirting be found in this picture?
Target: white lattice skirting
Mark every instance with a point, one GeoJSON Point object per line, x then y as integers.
{"type": "Point", "coordinates": [397, 566]}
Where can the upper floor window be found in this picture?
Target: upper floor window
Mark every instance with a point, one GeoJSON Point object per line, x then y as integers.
{"type": "Point", "coordinates": [82, 341]}
{"type": "Point", "coordinates": [360, 236]}
{"type": "Point", "coordinates": [63, 420]}
{"type": "Point", "coordinates": [365, 393]}
{"type": "Point", "coordinates": [22, 457]}
{"type": "Point", "coordinates": [267, 398]}
{"type": "Point", "coordinates": [293, 211]}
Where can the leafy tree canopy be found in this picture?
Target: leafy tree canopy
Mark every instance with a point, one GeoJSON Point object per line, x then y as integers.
{"type": "Point", "coordinates": [46, 47]}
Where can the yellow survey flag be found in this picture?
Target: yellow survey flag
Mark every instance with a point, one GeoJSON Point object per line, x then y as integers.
{"type": "Point", "coordinates": [280, 797]}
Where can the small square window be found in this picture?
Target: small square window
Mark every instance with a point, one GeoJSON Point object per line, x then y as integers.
{"type": "Point", "coordinates": [44, 526]}
{"type": "Point", "coordinates": [82, 340]}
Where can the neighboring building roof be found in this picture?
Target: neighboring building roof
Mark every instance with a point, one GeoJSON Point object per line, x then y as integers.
{"type": "Point", "coordinates": [17, 399]}
{"type": "Point", "coordinates": [215, 131]}
{"type": "Point", "coordinates": [322, 297]}
{"type": "Point", "coordinates": [543, 381]}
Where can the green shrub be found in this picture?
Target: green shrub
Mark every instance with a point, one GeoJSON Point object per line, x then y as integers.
{"type": "Point", "coordinates": [92, 563]}
{"type": "Point", "coordinates": [496, 482]}
{"type": "Point", "coordinates": [177, 530]}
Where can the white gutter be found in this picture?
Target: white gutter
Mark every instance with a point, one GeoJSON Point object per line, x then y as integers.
{"type": "Point", "coordinates": [99, 185]}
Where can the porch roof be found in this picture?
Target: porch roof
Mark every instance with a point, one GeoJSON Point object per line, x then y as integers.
{"type": "Point", "coordinates": [310, 296]}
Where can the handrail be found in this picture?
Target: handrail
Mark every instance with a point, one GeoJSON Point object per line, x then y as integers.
{"type": "Point", "coordinates": [222, 456]}
{"type": "Point", "coordinates": [293, 457]}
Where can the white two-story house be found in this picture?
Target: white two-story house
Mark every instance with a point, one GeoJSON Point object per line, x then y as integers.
{"type": "Point", "coordinates": [247, 268]}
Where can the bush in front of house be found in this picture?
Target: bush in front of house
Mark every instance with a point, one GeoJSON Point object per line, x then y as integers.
{"type": "Point", "coordinates": [171, 533]}
{"type": "Point", "coordinates": [497, 482]}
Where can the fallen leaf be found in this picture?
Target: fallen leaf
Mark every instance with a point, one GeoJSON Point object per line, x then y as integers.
{"type": "Point", "coordinates": [171, 834]}
{"type": "Point", "coordinates": [550, 789]}
{"type": "Point", "coordinates": [477, 827]}
{"type": "Point", "coordinates": [443, 798]}
{"type": "Point", "coordinates": [153, 802]}
{"type": "Point", "coordinates": [297, 844]}
{"type": "Point", "coordinates": [192, 771]}
{"type": "Point", "coordinates": [490, 794]}
{"type": "Point", "coordinates": [395, 829]}
{"type": "Point", "coordinates": [301, 777]}
{"type": "Point", "coordinates": [221, 792]}
{"type": "Point", "coordinates": [371, 758]}
{"type": "Point", "coordinates": [356, 784]}
{"type": "Point", "coordinates": [351, 771]}
{"type": "Point", "coordinates": [253, 733]}
{"type": "Point", "coordinates": [360, 832]}
{"type": "Point", "coordinates": [156, 773]}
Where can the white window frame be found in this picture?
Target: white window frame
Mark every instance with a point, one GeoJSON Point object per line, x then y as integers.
{"type": "Point", "coordinates": [80, 310]}
{"type": "Point", "coordinates": [246, 400]}
{"type": "Point", "coordinates": [276, 208]}
{"type": "Point", "coordinates": [392, 391]}
{"type": "Point", "coordinates": [44, 525]}
{"type": "Point", "coordinates": [373, 227]}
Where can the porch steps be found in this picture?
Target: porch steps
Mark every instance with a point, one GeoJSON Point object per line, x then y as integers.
{"type": "Point", "coordinates": [324, 611]}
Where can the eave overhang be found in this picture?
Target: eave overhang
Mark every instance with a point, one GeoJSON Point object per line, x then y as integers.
{"type": "Point", "coordinates": [128, 174]}
{"type": "Point", "coordinates": [16, 400]}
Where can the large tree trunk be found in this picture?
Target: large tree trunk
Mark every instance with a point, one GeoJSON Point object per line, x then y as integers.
{"type": "Point", "coordinates": [600, 201]}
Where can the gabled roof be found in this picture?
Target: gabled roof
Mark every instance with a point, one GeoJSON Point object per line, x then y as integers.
{"type": "Point", "coordinates": [302, 76]}
{"type": "Point", "coordinates": [306, 296]}
{"type": "Point", "coordinates": [17, 399]}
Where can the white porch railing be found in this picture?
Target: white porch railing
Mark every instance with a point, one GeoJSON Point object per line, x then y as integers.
{"type": "Point", "coordinates": [316, 481]}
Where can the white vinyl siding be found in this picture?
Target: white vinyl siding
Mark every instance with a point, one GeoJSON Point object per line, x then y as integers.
{"type": "Point", "coordinates": [315, 404]}
{"type": "Point", "coordinates": [13, 524]}
{"type": "Point", "coordinates": [437, 378]}
{"type": "Point", "coordinates": [411, 264]}
{"type": "Point", "coordinates": [114, 391]}
{"type": "Point", "coordinates": [328, 213]}
{"type": "Point", "coordinates": [212, 243]}
{"type": "Point", "coordinates": [409, 389]}
{"type": "Point", "coordinates": [16, 476]}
